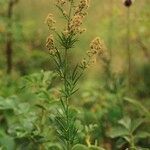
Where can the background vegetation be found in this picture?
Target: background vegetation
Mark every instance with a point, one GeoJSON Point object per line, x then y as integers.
{"type": "Point", "coordinates": [110, 113]}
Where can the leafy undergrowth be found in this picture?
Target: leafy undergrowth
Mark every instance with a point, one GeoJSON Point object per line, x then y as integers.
{"type": "Point", "coordinates": [27, 117]}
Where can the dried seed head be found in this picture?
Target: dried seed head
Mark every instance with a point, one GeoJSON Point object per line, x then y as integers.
{"type": "Point", "coordinates": [61, 2]}
{"type": "Point", "coordinates": [84, 64]}
{"type": "Point", "coordinates": [79, 13]}
{"type": "Point", "coordinates": [75, 23]}
{"type": "Point", "coordinates": [50, 21]}
{"type": "Point", "coordinates": [50, 45]}
{"type": "Point", "coordinates": [97, 47]}
{"type": "Point", "coordinates": [127, 3]}
{"type": "Point", "coordinates": [82, 7]}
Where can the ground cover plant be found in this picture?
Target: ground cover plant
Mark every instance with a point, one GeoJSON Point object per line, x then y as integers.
{"type": "Point", "coordinates": [82, 89]}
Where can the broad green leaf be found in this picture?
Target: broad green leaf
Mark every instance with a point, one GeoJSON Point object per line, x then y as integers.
{"type": "Point", "coordinates": [118, 132]}
{"type": "Point", "coordinates": [142, 134]}
{"type": "Point", "coordinates": [136, 124]}
{"type": "Point", "coordinates": [22, 108]}
{"type": "Point", "coordinates": [126, 122]}
{"type": "Point", "coordinates": [8, 103]}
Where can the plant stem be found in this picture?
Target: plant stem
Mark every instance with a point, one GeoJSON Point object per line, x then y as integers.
{"type": "Point", "coordinates": [110, 28]}
{"type": "Point", "coordinates": [128, 48]}
{"type": "Point", "coordinates": [66, 97]}
{"type": "Point", "coordinates": [65, 84]}
{"type": "Point", "coordinates": [132, 145]}
{"type": "Point", "coordinates": [66, 123]}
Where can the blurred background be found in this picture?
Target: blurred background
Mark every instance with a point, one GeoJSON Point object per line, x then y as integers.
{"type": "Point", "coordinates": [107, 19]}
{"type": "Point", "coordinates": [23, 35]}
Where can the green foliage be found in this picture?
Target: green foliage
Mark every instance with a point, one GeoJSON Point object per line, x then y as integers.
{"type": "Point", "coordinates": [79, 147]}
{"type": "Point", "coordinates": [139, 106]}
{"type": "Point", "coordinates": [83, 147]}
{"type": "Point", "coordinates": [129, 131]}
{"type": "Point", "coordinates": [25, 120]}
{"type": "Point", "coordinates": [42, 110]}
{"type": "Point", "coordinates": [6, 141]}
{"type": "Point", "coordinates": [95, 148]}
{"type": "Point", "coordinates": [143, 85]}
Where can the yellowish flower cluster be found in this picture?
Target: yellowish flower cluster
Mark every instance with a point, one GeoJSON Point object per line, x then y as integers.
{"type": "Point", "coordinates": [81, 9]}
{"type": "Point", "coordinates": [97, 47]}
{"type": "Point", "coordinates": [50, 21]}
{"type": "Point", "coordinates": [77, 19]}
{"type": "Point", "coordinates": [75, 23]}
{"type": "Point", "coordinates": [61, 2]}
{"type": "Point", "coordinates": [50, 45]}
{"type": "Point", "coordinates": [84, 64]}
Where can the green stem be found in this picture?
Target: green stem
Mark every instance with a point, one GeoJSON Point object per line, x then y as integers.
{"type": "Point", "coordinates": [67, 89]}
{"type": "Point", "coordinates": [128, 49]}
{"type": "Point", "coordinates": [132, 145]}
{"type": "Point", "coordinates": [65, 84]}
{"type": "Point", "coordinates": [110, 29]}
{"type": "Point", "coordinates": [66, 97]}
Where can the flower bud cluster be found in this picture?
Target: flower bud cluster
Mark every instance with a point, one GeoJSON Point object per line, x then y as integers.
{"type": "Point", "coordinates": [97, 47]}
{"type": "Point", "coordinates": [75, 25]}
{"type": "Point", "coordinates": [82, 7]}
{"type": "Point", "coordinates": [50, 21]}
{"type": "Point", "coordinates": [61, 2]}
{"type": "Point", "coordinates": [77, 19]}
{"type": "Point", "coordinates": [50, 45]}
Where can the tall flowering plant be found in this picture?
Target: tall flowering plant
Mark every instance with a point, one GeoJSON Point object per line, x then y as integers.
{"type": "Point", "coordinates": [59, 47]}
